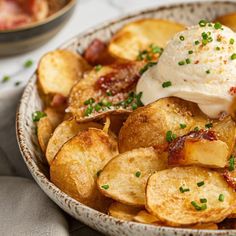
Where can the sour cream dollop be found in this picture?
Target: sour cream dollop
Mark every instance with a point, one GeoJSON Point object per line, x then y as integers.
{"type": "Point", "coordinates": [198, 65]}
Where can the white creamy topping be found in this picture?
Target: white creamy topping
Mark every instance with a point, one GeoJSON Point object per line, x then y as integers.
{"type": "Point", "coordinates": [207, 77]}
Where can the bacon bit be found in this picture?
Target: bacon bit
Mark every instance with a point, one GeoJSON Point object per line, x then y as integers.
{"type": "Point", "coordinates": [196, 62]}
{"type": "Point", "coordinates": [58, 101]}
{"type": "Point", "coordinates": [232, 91]}
{"type": "Point", "coordinates": [176, 147]}
{"type": "Point", "coordinates": [225, 61]}
{"type": "Point", "coordinates": [230, 178]}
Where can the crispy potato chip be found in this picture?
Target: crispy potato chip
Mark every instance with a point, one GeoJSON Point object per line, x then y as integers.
{"type": "Point", "coordinates": [75, 167]}
{"type": "Point", "coordinates": [122, 212]}
{"type": "Point", "coordinates": [228, 20]}
{"type": "Point", "coordinates": [105, 91]}
{"type": "Point", "coordinates": [64, 132]}
{"type": "Point", "coordinates": [54, 116]}
{"type": "Point", "coordinates": [189, 195]}
{"type": "Point", "coordinates": [44, 131]}
{"type": "Point", "coordinates": [124, 178]}
{"type": "Point", "coordinates": [139, 35]}
{"type": "Point", "coordinates": [59, 70]}
{"type": "Point", "coordinates": [149, 125]}
{"type": "Point", "coordinates": [209, 226]}
{"type": "Point", "coordinates": [146, 218]}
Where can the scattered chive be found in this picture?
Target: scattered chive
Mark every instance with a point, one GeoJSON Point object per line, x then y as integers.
{"type": "Point", "coordinates": [204, 207]}
{"type": "Point", "coordinates": [89, 101]}
{"type": "Point", "coordinates": [188, 61]}
{"type": "Point", "coordinates": [183, 190]}
{"type": "Point", "coordinates": [203, 200]}
{"type": "Point", "coordinates": [196, 42]}
{"type": "Point", "coordinates": [196, 206]}
{"type": "Point", "coordinates": [5, 78]}
{"type": "Point", "coordinates": [231, 41]}
{"type": "Point", "coordinates": [196, 129]}
{"type": "Point", "coordinates": [182, 126]}
{"type": "Point", "coordinates": [37, 115]}
{"type": "Point", "coordinates": [88, 111]}
{"type": "Point", "coordinates": [156, 49]}
{"type": "Point", "coordinates": [109, 93]}
{"type": "Point", "coordinates": [233, 56]}
{"type": "Point", "coordinates": [134, 106]}
{"type": "Point", "coordinates": [137, 174]}
{"type": "Point", "coordinates": [98, 173]}
{"type": "Point", "coordinates": [204, 42]}
{"type": "Point", "coordinates": [208, 71]}
{"type": "Point", "coordinates": [17, 83]}
{"type": "Point", "coordinates": [181, 37]}
{"type": "Point", "coordinates": [28, 64]}
{"type": "Point", "coordinates": [106, 186]}
{"type": "Point", "coordinates": [221, 197]}
{"type": "Point", "coordinates": [231, 163]}
{"type": "Point", "coordinates": [181, 63]}
{"type": "Point", "coordinates": [199, 184]}
{"type": "Point", "coordinates": [146, 67]}
{"type": "Point", "coordinates": [98, 68]}
{"type": "Point", "coordinates": [97, 107]}
{"type": "Point", "coordinates": [190, 52]}
{"type": "Point", "coordinates": [209, 125]}
{"type": "Point", "coordinates": [218, 48]}
{"type": "Point", "coordinates": [217, 25]}
{"type": "Point", "coordinates": [170, 136]}
{"type": "Point", "coordinates": [202, 23]}
{"type": "Point", "coordinates": [166, 84]}
{"type": "Point", "coordinates": [204, 35]}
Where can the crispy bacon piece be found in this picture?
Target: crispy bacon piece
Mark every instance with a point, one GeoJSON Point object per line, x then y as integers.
{"type": "Point", "coordinates": [230, 177]}
{"type": "Point", "coordinates": [58, 101]}
{"type": "Point", "coordinates": [97, 53]}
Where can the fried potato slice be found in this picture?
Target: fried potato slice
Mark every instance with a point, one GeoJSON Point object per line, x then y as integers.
{"type": "Point", "coordinates": [209, 226]}
{"type": "Point", "coordinates": [64, 132]}
{"type": "Point", "coordinates": [124, 178]}
{"type": "Point", "coordinates": [146, 218]}
{"type": "Point", "coordinates": [75, 167]}
{"type": "Point", "coordinates": [44, 132]}
{"type": "Point", "coordinates": [198, 148]}
{"type": "Point", "coordinates": [228, 20]}
{"type": "Point", "coordinates": [148, 126]}
{"type": "Point", "coordinates": [105, 91]}
{"type": "Point", "coordinates": [179, 208]}
{"type": "Point", "coordinates": [59, 70]}
{"type": "Point", "coordinates": [54, 116]}
{"type": "Point", "coordinates": [122, 212]}
{"type": "Point", "coordinates": [139, 35]}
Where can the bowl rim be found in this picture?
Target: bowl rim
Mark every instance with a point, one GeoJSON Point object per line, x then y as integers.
{"type": "Point", "coordinates": [45, 21]}
{"type": "Point", "coordinates": [40, 177]}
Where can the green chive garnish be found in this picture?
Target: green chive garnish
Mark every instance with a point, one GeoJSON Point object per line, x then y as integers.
{"type": "Point", "coordinates": [28, 64]}
{"type": "Point", "coordinates": [196, 129]}
{"type": "Point", "coordinates": [203, 200]}
{"type": "Point", "coordinates": [217, 25]}
{"type": "Point", "coordinates": [5, 78]}
{"type": "Point", "coordinates": [181, 63]}
{"type": "Point", "coordinates": [218, 48]}
{"type": "Point", "coordinates": [231, 163]}
{"type": "Point", "coordinates": [170, 136]}
{"type": "Point", "coordinates": [221, 197]}
{"type": "Point", "coordinates": [183, 190]}
{"type": "Point", "coordinates": [97, 107]}
{"type": "Point", "coordinates": [204, 35]}
{"type": "Point", "coordinates": [233, 56]}
{"type": "Point", "coordinates": [199, 184]}
{"type": "Point", "coordinates": [146, 67]}
{"type": "Point", "coordinates": [182, 126]}
{"type": "Point", "coordinates": [231, 41]}
{"type": "Point", "coordinates": [37, 115]}
{"type": "Point", "coordinates": [181, 37]}
{"type": "Point", "coordinates": [106, 186]}
{"type": "Point", "coordinates": [190, 52]}
{"type": "Point", "coordinates": [196, 206]}
{"type": "Point", "coordinates": [188, 61]}
{"type": "Point", "coordinates": [98, 173]}
{"type": "Point", "coordinates": [89, 101]}
{"type": "Point", "coordinates": [202, 23]}
{"type": "Point", "coordinates": [208, 71]}
{"type": "Point", "coordinates": [209, 125]}
{"type": "Point", "coordinates": [166, 84]}
{"type": "Point", "coordinates": [98, 68]}
{"type": "Point", "coordinates": [137, 174]}
{"type": "Point", "coordinates": [17, 83]}
{"type": "Point", "coordinates": [88, 111]}
{"type": "Point", "coordinates": [196, 42]}
{"type": "Point", "coordinates": [134, 106]}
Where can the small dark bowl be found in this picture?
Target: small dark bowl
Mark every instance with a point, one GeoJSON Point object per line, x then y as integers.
{"type": "Point", "coordinates": [34, 35]}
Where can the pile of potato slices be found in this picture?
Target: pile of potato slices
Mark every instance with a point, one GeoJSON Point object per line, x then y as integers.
{"type": "Point", "coordinates": [164, 164]}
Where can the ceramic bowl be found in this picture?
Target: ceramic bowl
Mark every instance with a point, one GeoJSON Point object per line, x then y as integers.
{"type": "Point", "coordinates": [188, 14]}
{"type": "Point", "coordinates": [30, 37]}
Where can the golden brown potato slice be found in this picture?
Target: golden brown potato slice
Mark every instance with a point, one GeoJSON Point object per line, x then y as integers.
{"type": "Point", "coordinates": [54, 116]}
{"type": "Point", "coordinates": [124, 178]}
{"type": "Point", "coordinates": [122, 212]}
{"type": "Point", "coordinates": [146, 218]}
{"type": "Point", "coordinates": [64, 132]}
{"type": "Point", "coordinates": [228, 20]}
{"type": "Point", "coordinates": [167, 119]}
{"type": "Point", "coordinates": [209, 226]}
{"type": "Point", "coordinates": [44, 131]}
{"type": "Point", "coordinates": [105, 91]}
{"type": "Point", "coordinates": [189, 195]}
{"type": "Point", "coordinates": [139, 35]}
{"type": "Point", "coordinates": [59, 70]}
{"type": "Point", "coordinates": [198, 148]}
{"type": "Point", "coordinates": [75, 167]}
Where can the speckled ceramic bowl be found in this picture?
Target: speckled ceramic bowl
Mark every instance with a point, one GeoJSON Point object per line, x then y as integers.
{"type": "Point", "coordinates": [36, 34]}
{"type": "Point", "coordinates": [184, 13]}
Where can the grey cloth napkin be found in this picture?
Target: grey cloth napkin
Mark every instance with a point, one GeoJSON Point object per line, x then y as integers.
{"type": "Point", "coordinates": [27, 211]}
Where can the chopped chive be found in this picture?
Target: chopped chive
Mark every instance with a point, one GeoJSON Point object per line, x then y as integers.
{"type": "Point", "coordinates": [196, 206]}
{"type": "Point", "coordinates": [109, 93]}
{"type": "Point", "coordinates": [98, 173]}
{"type": "Point", "coordinates": [37, 115]}
{"type": "Point", "coordinates": [88, 111]}
{"type": "Point", "coordinates": [188, 61]}
{"type": "Point", "coordinates": [217, 25]}
{"type": "Point", "coordinates": [170, 136]}
{"type": "Point", "coordinates": [218, 48]}
{"type": "Point", "coordinates": [199, 184]}
{"type": "Point", "coordinates": [181, 63]}
{"type": "Point", "coordinates": [28, 64]}
{"type": "Point", "coordinates": [204, 35]}
{"type": "Point", "coordinates": [209, 125]}
{"type": "Point", "coordinates": [166, 84]}
{"type": "Point", "coordinates": [204, 42]}
{"type": "Point", "coordinates": [89, 101]}
{"type": "Point", "coordinates": [202, 23]}
{"type": "Point", "coordinates": [181, 37]}
{"type": "Point", "coordinates": [196, 42]}
{"type": "Point", "coordinates": [98, 68]}
{"type": "Point", "coordinates": [208, 72]}
{"type": "Point", "coordinates": [233, 56]}
{"type": "Point", "coordinates": [17, 83]}
{"type": "Point", "coordinates": [97, 107]}
{"type": "Point", "coordinates": [190, 52]}
{"type": "Point", "coordinates": [221, 197]}
{"type": "Point", "coordinates": [106, 186]}
{"type": "Point", "coordinates": [231, 41]}
{"type": "Point", "coordinates": [210, 39]}
{"type": "Point", "coordinates": [134, 106]}
{"type": "Point", "coordinates": [183, 190]}
{"type": "Point", "coordinates": [138, 174]}
{"type": "Point", "coordinates": [182, 126]}
{"type": "Point", "coordinates": [231, 163]}
{"type": "Point", "coordinates": [204, 207]}
{"type": "Point", "coordinates": [146, 67]}
{"type": "Point", "coordinates": [156, 49]}
{"type": "Point", "coordinates": [5, 78]}
{"type": "Point", "coordinates": [203, 200]}
{"type": "Point", "coordinates": [196, 129]}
